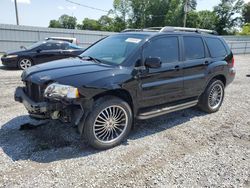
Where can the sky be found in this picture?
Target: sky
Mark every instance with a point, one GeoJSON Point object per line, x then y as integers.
{"type": "Point", "coordinates": [40, 12]}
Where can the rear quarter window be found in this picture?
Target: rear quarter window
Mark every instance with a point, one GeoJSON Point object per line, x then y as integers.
{"type": "Point", "coordinates": [216, 47]}
{"type": "Point", "coordinates": [194, 47]}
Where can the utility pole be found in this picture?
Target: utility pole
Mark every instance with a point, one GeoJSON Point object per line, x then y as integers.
{"type": "Point", "coordinates": [17, 20]}
{"type": "Point", "coordinates": [185, 13]}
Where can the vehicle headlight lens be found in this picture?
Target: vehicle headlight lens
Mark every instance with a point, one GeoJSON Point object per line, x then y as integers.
{"type": "Point", "coordinates": [58, 91]}
{"type": "Point", "coordinates": [11, 56]}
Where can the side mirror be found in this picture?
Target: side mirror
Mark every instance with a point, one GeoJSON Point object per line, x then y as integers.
{"type": "Point", "coordinates": [22, 47]}
{"type": "Point", "coordinates": [153, 62]}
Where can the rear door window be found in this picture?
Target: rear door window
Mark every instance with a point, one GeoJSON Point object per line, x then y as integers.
{"type": "Point", "coordinates": [216, 47]}
{"type": "Point", "coordinates": [194, 47]}
{"type": "Point", "coordinates": [51, 46]}
{"type": "Point", "coordinates": [166, 48]}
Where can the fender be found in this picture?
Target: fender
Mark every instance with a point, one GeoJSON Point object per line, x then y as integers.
{"type": "Point", "coordinates": [214, 69]}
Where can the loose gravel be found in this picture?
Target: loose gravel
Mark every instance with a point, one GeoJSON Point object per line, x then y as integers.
{"type": "Point", "coordinates": [188, 148]}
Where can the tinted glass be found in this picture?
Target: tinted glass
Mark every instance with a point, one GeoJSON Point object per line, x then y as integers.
{"type": "Point", "coordinates": [73, 46]}
{"type": "Point", "coordinates": [35, 45]}
{"type": "Point", "coordinates": [166, 48]}
{"type": "Point", "coordinates": [51, 46]}
{"type": "Point", "coordinates": [114, 49]}
{"type": "Point", "coordinates": [216, 47]}
{"type": "Point", "coordinates": [194, 48]}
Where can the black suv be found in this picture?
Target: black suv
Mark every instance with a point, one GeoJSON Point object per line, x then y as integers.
{"type": "Point", "coordinates": [136, 74]}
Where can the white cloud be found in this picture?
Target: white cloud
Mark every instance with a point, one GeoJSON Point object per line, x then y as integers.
{"type": "Point", "coordinates": [22, 1]}
{"type": "Point", "coordinates": [60, 7]}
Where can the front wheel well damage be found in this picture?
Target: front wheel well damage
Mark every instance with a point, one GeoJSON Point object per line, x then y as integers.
{"type": "Point", "coordinates": [120, 93]}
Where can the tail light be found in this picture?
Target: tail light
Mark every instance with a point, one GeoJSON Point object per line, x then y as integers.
{"type": "Point", "coordinates": [231, 62]}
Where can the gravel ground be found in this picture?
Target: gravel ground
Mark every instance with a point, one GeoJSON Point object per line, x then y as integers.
{"type": "Point", "coordinates": [183, 149]}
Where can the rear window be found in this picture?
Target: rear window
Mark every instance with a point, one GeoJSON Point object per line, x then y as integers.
{"type": "Point", "coordinates": [216, 47]}
{"type": "Point", "coordinates": [194, 48]}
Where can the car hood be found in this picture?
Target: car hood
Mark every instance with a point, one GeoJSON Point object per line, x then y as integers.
{"type": "Point", "coordinates": [11, 52]}
{"type": "Point", "coordinates": [56, 70]}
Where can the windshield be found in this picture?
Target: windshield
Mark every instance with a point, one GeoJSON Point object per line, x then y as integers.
{"type": "Point", "coordinates": [35, 45]}
{"type": "Point", "coordinates": [114, 49]}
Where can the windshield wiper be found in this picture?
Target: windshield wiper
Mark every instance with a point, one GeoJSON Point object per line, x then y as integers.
{"type": "Point", "coordinates": [91, 59]}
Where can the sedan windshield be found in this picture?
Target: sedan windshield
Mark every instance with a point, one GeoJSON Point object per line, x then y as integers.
{"type": "Point", "coordinates": [114, 49]}
{"type": "Point", "coordinates": [35, 45]}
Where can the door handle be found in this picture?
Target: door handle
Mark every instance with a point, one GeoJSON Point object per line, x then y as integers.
{"type": "Point", "coordinates": [206, 63]}
{"type": "Point", "coordinates": [176, 68]}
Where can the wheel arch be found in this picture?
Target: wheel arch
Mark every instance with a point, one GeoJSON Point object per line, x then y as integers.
{"type": "Point", "coordinates": [120, 93]}
{"type": "Point", "coordinates": [25, 57]}
{"type": "Point", "coordinates": [220, 77]}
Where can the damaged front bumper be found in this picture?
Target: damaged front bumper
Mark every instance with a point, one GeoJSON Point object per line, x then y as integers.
{"type": "Point", "coordinates": [34, 107]}
{"type": "Point", "coordinates": [70, 112]}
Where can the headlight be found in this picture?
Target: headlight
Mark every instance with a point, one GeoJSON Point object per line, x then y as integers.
{"type": "Point", "coordinates": [58, 91]}
{"type": "Point", "coordinates": [11, 56]}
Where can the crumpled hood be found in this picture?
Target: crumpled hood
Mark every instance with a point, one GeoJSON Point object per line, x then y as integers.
{"type": "Point", "coordinates": [52, 71]}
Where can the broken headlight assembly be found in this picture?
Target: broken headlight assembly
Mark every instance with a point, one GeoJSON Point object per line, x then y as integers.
{"type": "Point", "coordinates": [58, 91]}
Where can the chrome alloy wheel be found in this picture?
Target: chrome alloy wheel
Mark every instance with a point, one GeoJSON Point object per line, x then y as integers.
{"type": "Point", "coordinates": [110, 124]}
{"type": "Point", "coordinates": [215, 96]}
{"type": "Point", "coordinates": [25, 63]}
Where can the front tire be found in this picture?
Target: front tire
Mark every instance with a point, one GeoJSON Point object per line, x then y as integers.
{"type": "Point", "coordinates": [109, 123]}
{"type": "Point", "coordinates": [24, 63]}
{"type": "Point", "coordinates": [211, 100]}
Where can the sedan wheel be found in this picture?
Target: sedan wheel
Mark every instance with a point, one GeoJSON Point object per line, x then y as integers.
{"type": "Point", "coordinates": [25, 63]}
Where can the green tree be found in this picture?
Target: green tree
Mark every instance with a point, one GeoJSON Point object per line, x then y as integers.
{"type": "Point", "coordinates": [89, 24]}
{"type": "Point", "coordinates": [122, 9]}
{"type": "Point", "coordinates": [208, 19]}
{"type": "Point", "coordinates": [245, 29]}
{"type": "Point", "coordinates": [64, 21]}
{"type": "Point", "coordinates": [202, 19]}
{"type": "Point", "coordinates": [55, 24]}
{"type": "Point", "coordinates": [68, 22]}
{"type": "Point", "coordinates": [139, 13]}
{"type": "Point", "coordinates": [118, 24]}
{"type": "Point", "coordinates": [246, 13]}
{"type": "Point", "coordinates": [175, 13]}
{"type": "Point", "coordinates": [106, 23]}
{"type": "Point", "coordinates": [228, 13]}
{"type": "Point", "coordinates": [193, 19]}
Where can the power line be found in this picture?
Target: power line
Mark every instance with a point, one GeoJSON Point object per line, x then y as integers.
{"type": "Point", "coordinates": [86, 6]}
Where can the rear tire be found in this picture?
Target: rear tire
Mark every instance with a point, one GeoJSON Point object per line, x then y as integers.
{"type": "Point", "coordinates": [109, 123]}
{"type": "Point", "coordinates": [211, 100]}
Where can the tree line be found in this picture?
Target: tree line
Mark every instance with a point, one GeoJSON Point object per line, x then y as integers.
{"type": "Point", "coordinates": [226, 17]}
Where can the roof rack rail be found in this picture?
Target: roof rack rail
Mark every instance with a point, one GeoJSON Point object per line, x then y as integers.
{"type": "Point", "coordinates": [150, 29]}
{"type": "Point", "coordinates": [172, 29]}
{"type": "Point", "coordinates": [187, 29]}
{"type": "Point", "coordinates": [131, 30]}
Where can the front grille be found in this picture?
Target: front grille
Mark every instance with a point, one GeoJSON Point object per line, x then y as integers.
{"type": "Point", "coordinates": [34, 91]}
